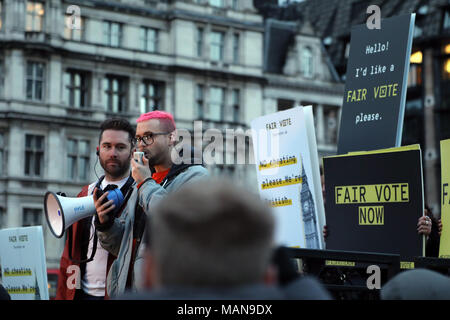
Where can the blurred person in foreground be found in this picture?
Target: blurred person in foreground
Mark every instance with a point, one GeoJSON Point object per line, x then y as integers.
{"type": "Point", "coordinates": [417, 284]}
{"type": "Point", "coordinates": [213, 240]}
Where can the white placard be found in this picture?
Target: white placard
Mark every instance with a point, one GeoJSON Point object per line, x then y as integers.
{"type": "Point", "coordinates": [286, 163]}
{"type": "Point", "coordinates": [22, 259]}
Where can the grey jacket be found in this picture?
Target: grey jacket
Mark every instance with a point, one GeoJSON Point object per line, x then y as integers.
{"type": "Point", "coordinates": [118, 239]}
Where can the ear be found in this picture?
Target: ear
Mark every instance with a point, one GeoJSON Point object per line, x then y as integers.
{"type": "Point", "coordinates": [173, 137]}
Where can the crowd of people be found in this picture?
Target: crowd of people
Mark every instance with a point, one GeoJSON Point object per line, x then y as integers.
{"type": "Point", "coordinates": [181, 234]}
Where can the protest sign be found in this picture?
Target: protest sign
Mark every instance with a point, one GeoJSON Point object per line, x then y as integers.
{"type": "Point", "coordinates": [23, 264]}
{"type": "Point", "coordinates": [287, 168]}
{"type": "Point", "coordinates": [444, 246]}
{"type": "Point", "coordinates": [375, 85]}
{"type": "Point", "coordinates": [374, 200]}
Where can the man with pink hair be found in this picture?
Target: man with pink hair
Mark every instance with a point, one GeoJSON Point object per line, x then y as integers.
{"type": "Point", "coordinates": [155, 177]}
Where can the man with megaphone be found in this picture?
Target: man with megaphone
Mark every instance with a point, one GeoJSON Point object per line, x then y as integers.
{"type": "Point", "coordinates": [116, 146]}
{"type": "Point", "coordinates": [157, 175]}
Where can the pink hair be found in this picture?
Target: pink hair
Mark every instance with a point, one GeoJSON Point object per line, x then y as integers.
{"type": "Point", "coordinates": [160, 115]}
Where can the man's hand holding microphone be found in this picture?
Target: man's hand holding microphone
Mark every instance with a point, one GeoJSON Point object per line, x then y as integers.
{"type": "Point", "coordinates": [140, 169]}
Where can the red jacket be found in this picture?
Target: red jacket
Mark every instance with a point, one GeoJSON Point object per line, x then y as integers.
{"type": "Point", "coordinates": [62, 291]}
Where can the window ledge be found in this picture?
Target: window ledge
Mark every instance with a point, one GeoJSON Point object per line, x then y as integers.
{"type": "Point", "coordinates": [84, 110]}
{"type": "Point", "coordinates": [36, 36]}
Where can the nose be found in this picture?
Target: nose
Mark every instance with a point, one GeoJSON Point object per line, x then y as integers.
{"type": "Point", "coordinates": [140, 145]}
{"type": "Point", "coordinates": [141, 148]}
{"type": "Point", "coordinates": [113, 152]}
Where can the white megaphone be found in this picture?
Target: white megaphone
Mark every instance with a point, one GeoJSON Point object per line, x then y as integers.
{"type": "Point", "coordinates": [61, 212]}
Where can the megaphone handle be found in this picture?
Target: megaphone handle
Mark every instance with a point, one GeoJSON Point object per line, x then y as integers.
{"type": "Point", "coordinates": [94, 248]}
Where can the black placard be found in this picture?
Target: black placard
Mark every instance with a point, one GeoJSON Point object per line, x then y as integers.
{"type": "Point", "coordinates": [375, 87]}
{"type": "Point", "coordinates": [355, 230]}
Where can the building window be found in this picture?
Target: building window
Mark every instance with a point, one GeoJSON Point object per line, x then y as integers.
{"type": "Point", "coordinates": [415, 69]}
{"type": "Point", "coordinates": [446, 63]}
{"type": "Point", "coordinates": [2, 154]}
{"type": "Point", "coordinates": [447, 20]}
{"type": "Point", "coordinates": [446, 48]}
{"type": "Point", "coordinates": [2, 218]}
{"type": "Point", "coordinates": [331, 122]}
{"type": "Point", "coordinates": [75, 89]}
{"type": "Point", "coordinates": [413, 106]}
{"type": "Point", "coordinates": [306, 62]}
{"type": "Point", "coordinates": [112, 33]}
{"type": "Point", "coordinates": [413, 124]}
{"type": "Point", "coordinates": [71, 33]}
{"type": "Point", "coordinates": [35, 16]}
{"type": "Point", "coordinates": [418, 31]}
{"type": "Point", "coordinates": [1, 14]}
{"type": "Point", "coordinates": [236, 48]}
{"type": "Point", "coordinates": [347, 50]}
{"type": "Point", "coordinates": [34, 155]}
{"type": "Point", "coordinates": [235, 4]}
{"type": "Point", "coordinates": [114, 94]}
{"type": "Point", "coordinates": [216, 3]}
{"type": "Point", "coordinates": [151, 96]}
{"type": "Point", "coordinates": [200, 100]}
{"type": "Point", "coordinates": [35, 80]}
{"type": "Point", "coordinates": [78, 159]}
{"type": "Point", "coordinates": [199, 42]}
{"type": "Point", "coordinates": [217, 46]}
{"type": "Point", "coordinates": [2, 77]}
{"type": "Point", "coordinates": [149, 39]}
{"type": "Point", "coordinates": [216, 103]}
{"type": "Point", "coordinates": [235, 96]}
{"type": "Point", "coordinates": [358, 10]}
{"type": "Point", "coordinates": [283, 104]}
{"type": "Point", "coordinates": [31, 217]}
{"type": "Point", "coordinates": [446, 69]}
{"type": "Point", "coordinates": [415, 75]}
{"type": "Point", "coordinates": [416, 57]}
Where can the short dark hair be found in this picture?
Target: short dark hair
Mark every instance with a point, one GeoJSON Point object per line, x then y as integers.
{"type": "Point", "coordinates": [118, 124]}
{"type": "Point", "coordinates": [211, 233]}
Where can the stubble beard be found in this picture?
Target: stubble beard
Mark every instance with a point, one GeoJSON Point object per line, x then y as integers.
{"type": "Point", "coordinates": [118, 172]}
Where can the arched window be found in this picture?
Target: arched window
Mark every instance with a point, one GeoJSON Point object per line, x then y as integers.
{"type": "Point", "coordinates": [306, 62]}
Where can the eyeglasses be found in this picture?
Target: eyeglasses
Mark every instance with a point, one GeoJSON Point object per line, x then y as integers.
{"type": "Point", "coordinates": [149, 138]}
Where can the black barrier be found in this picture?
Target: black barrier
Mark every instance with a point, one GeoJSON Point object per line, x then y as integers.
{"type": "Point", "coordinates": [436, 264]}
{"type": "Point", "coordinates": [345, 273]}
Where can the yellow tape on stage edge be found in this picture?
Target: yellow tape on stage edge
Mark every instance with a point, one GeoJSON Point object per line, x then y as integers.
{"type": "Point", "coordinates": [339, 263]}
{"type": "Point", "coordinates": [406, 265]}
